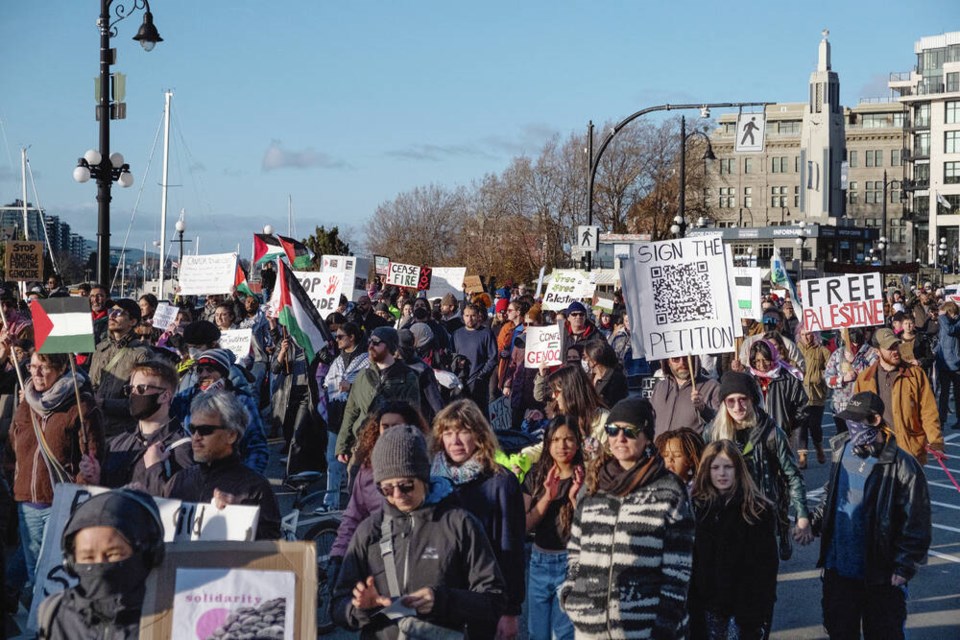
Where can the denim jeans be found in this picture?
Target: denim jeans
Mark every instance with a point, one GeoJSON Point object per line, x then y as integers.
{"type": "Point", "coordinates": [335, 470]}
{"type": "Point", "coordinates": [545, 618]}
{"type": "Point", "coordinates": [33, 521]}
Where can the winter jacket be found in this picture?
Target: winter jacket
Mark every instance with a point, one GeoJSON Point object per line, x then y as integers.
{"type": "Point", "coordinates": [734, 567]}
{"type": "Point", "coordinates": [437, 545]}
{"type": "Point", "coordinates": [373, 387]}
{"type": "Point", "coordinates": [814, 382]}
{"type": "Point", "coordinates": [629, 562]}
{"type": "Point", "coordinates": [61, 429]}
{"type": "Point", "coordinates": [897, 522]}
{"type": "Point", "coordinates": [948, 346]}
{"type": "Point", "coordinates": [229, 475]}
{"type": "Point", "coordinates": [110, 368]}
{"type": "Point", "coordinates": [918, 348]}
{"type": "Point", "coordinates": [504, 347]}
{"type": "Point", "coordinates": [431, 402]}
{"type": "Point", "coordinates": [339, 372]}
{"type": "Point", "coordinates": [73, 617]}
{"type": "Point", "coordinates": [612, 386]}
{"type": "Point", "coordinates": [673, 408]}
{"type": "Point", "coordinates": [365, 499]}
{"type": "Point", "coordinates": [916, 421]}
{"type": "Point", "coordinates": [589, 332]}
{"type": "Point", "coordinates": [124, 459]}
{"type": "Point", "coordinates": [785, 400]}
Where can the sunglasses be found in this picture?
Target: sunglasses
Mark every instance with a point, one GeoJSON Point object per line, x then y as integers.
{"type": "Point", "coordinates": [577, 314]}
{"type": "Point", "coordinates": [404, 487]}
{"type": "Point", "coordinates": [141, 389]}
{"type": "Point", "coordinates": [375, 343]}
{"type": "Point", "coordinates": [733, 402]}
{"type": "Point", "coordinates": [116, 313]}
{"type": "Point", "coordinates": [341, 336]}
{"type": "Point", "coordinates": [204, 430]}
{"type": "Point", "coordinates": [630, 433]}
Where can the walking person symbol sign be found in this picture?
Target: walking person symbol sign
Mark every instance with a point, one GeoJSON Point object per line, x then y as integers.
{"type": "Point", "coordinates": [588, 238]}
{"type": "Point", "coordinates": [750, 132]}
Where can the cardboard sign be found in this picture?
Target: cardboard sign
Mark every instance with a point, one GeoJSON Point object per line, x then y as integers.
{"type": "Point", "coordinates": [181, 521]}
{"type": "Point", "coordinates": [324, 289]}
{"type": "Point", "coordinates": [381, 265]}
{"type": "Point", "coordinates": [678, 298]}
{"type": "Point", "coordinates": [446, 280]}
{"type": "Point", "coordinates": [200, 584]}
{"type": "Point", "coordinates": [566, 286]}
{"type": "Point", "coordinates": [208, 275]}
{"type": "Point", "coordinates": [544, 347]}
{"type": "Point", "coordinates": [842, 301]}
{"type": "Point", "coordinates": [425, 275]}
{"type": "Point", "coordinates": [472, 284]}
{"type": "Point", "coordinates": [403, 275]}
{"type": "Point", "coordinates": [236, 341]}
{"type": "Point", "coordinates": [165, 315]}
{"type": "Point", "coordinates": [745, 285]}
{"type": "Point", "coordinates": [23, 261]}
{"type": "Point", "coordinates": [347, 265]}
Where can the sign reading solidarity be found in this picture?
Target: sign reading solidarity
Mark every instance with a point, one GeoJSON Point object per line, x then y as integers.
{"type": "Point", "coordinates": [208, 275]}
{"type": "Point", "coordinates": [850, 300]}
{"type": "Point", "coordinates": [24, 261]}
{"type": "Point", "coordinates": [566, 286]}
{"type": "Point", "coordinates": [544, 347]}
{"type": "Point", "coordinates": [403, 275]}
{"type": "Point", "coordinates": [425, 275]}
{"type": "Point", "coordinates": [324, 289]}
{"type": "Point", "coordinates": [685, 292]}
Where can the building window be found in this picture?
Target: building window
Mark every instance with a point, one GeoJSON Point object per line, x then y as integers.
{"type": "Point", "coordinates": [727, 166]}
{"type": "Point", "coordinates": [952, 112]}
{"type": "Point", "coordinates": [951, 172]}
{"type": "Point", "coordinates": [921, 115]}
{"type": "Point", "coordinates": [874, 158]}
{"type": "Point", "coordinates": [778, 164]}
{"type": "Point", "coordinates": [953, 82]}
{"type": "Point", "coordinates": [898, 119]}
{"type": "Point", "coordinates": [778, 197]}
{"type": "Point", "coordinates": [748, 197]}
{"type": "Point", "coordinates": [951, 142]}
{"type": "Point", "coordinates": [747, 165]}
{"type": "Point", "coordinates": [921, 144]}
{"type": "Point", "coordinates": [895, 158]}
{"type": "Point", "coordinates": [898, 231]}
{"type": "Point", "coordinates": [852, 159]}
{"type": "Point", "coordinates": [728, 199]}
{"type": "Point", "coordinates": [894, 189]}
{"type": "Point", "coordinates": [873, 192]}
{"type": "Point", "coordinates": [796, 196]}
{"type": "Point", "coordinates": [790, 127]}
{"type": "Point", "coordinates": [853, 196]}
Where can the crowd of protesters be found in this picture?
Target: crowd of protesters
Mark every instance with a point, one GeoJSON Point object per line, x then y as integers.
{"type": "Point", "coordinates": [600, 512]}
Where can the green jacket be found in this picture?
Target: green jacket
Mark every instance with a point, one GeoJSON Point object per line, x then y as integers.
{"type": "Point", "coordinates": [372, 388]}
{"type": "Point", "coordinates": [110, 368]}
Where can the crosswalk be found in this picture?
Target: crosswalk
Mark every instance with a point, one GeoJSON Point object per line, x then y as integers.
{"type": "Point", "coordinates": [945, 501]}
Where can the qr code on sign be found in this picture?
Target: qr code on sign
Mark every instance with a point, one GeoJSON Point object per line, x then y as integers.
{"type": "Point", "coordinates": [681, 293]}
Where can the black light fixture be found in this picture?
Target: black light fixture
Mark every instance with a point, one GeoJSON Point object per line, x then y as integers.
{"type": "Point", "coordinates": [147, 35]}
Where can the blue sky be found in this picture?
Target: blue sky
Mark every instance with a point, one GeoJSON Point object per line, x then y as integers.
{"type": "Point", "coordinates": [344, 105]}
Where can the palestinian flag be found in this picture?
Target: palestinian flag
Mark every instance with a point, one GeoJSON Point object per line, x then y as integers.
{"type": "Point", "coordinates": [62, 325]}
{"type": "Point", "coordinates": [240, 281]}
{"type": "Point", "coordinates": [297, 253]}
{"type": "Point", "coordinates": [297, 313]}
{"type": "Point", "coordinates": [266, 248]}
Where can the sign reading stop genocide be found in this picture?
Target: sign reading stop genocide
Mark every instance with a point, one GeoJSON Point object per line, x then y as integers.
{"type": "Point", "coordinates": [842, 301]}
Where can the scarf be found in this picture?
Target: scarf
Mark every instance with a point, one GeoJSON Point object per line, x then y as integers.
{"type": "Point", "coordinates": [48, 401]}
{"type": "Point", "coordinates": [458, 475]}
{"type": "Point", "coordinates": [616, 480]}
{"type": "Point", "coordinates": [778, 365]}
{"type": "Point", "coordinates": [861, 434]}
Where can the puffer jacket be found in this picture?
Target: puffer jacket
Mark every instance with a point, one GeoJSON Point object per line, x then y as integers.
{"type": "Point", "coordinates": [437, 545]}
{"type": "Point", "coordinates": [898, 530]}
{"type": "Point", "coordinates": [629, 562]}
{"type": "Point", "coordinates": [916, 422]}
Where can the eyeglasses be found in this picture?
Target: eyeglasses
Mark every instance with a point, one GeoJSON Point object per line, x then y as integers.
{"type": "Point", "coordinates": [341, 336]}
{"type": "Point", "coordinates": [40, 368]}
{"type": "Point", "coordinates": [141, 389]}
{"type": "Point", "coordinates": [115, 313]}
{"type": "Point", "coordinates": [577, 314]}
{"type": "Point", "coordinates": [375, 343]}
{"type": "Point", "coordinates": [204, 430]}
{"type": "Point", "coordinates": [613, 431]}
{"type": "Point", "coordinates": [404, 487]}
{"type": "Point", "coordinates": [733, 402]}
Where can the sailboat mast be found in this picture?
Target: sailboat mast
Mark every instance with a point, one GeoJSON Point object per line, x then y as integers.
{"type": "Point", "coordinates": [168, 96]}
{"type": "Point", "coordinates": [23, 177]}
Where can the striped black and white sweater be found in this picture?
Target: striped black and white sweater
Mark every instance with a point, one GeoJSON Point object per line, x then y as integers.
{"type": "Point", "coordinates": [629, 562]}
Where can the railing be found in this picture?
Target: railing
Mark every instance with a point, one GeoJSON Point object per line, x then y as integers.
{"type": "Point", "coordinates": [900, 76]}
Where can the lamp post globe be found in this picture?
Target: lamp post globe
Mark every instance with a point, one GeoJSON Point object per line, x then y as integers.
{"type": "Point", "coordinates": [268, 229]}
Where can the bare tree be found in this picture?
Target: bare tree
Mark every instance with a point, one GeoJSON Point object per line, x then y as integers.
{"type": "Point", "coordinates": [418, 227]}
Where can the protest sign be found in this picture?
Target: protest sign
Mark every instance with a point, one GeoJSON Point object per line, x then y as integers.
{"type": "Point", "coordinates": [685, 294]}
{"type": "Point", "coordinates": [23, 260]}
{"type": "Point", "coordinates": [402, 275]}
{"type": "Point", "coordinates": [447, 280]}
{"type": "Point", "coordinates": [842, 301]}
{"type": "Point", "coordinates": [181, 521]}
{"type": "Point", "coordinates": [323, 288]}
{"type": "Point", "coordinates": [165, 315]}
{"type": "Point", "coordinates": [211, 274]}
{"type": "Point", "coordinates": [745, 286]}
{"type": "Point", "coordinates": [566, 286]}
{"type": "Point", "coordinates": [268, 587]}
{"type": "Point", "coordinates": [347, 265]}
{"type": "Point", "coordinates": [472, 284]}
{"type": "Point", "coordinates": [236, 341]}
{"type": "Point", "coordinates": [603, 304]}
{"type": "Point", "coordinates": [501, 416]}
{"type": "Point", "coordinates": [426, 274]}
{"type": "Point", "coordinates": [543, 347]}
{"type": "Point", "coordinates": [381, 265]}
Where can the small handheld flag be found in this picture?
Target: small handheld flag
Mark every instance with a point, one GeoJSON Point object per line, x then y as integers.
{"type": "Point", "coordinates": [62, 325]}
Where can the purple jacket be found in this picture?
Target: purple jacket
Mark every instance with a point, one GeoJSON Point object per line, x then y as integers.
{"type": "Point", "coordinates": [365, 500]}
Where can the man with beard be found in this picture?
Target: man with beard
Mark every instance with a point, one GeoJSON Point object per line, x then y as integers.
{"type": "Point", "coordinates": [450, 313]}
{"type": "Point", "coordinates": [677, 403]}
{"type": "Point", "coordinates": [909, 405]}
{"type": "Point", "coordinates": [98, 311]}
{"type": "Point", "coordinates": [478, 345]}
{"type": "Point", "coordinates": [364, 316]}
{"type": "Point", "coordinates": [260, 340]}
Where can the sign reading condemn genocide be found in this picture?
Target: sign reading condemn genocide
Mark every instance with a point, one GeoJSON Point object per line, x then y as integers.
{"type": "Point", "coordinates": [543, 347]}
{"type": "Point", "coordinates": [24, 261]}
{"type": "Point", "coordinates": [685, 293]}
{"type": "Point", "coordinates": [850, 300]}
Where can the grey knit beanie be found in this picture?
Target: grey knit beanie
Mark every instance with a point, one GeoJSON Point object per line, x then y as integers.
{"type": "Point", "coordinates": [401, 452]}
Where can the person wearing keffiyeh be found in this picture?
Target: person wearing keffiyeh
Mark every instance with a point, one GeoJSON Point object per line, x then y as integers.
{"type": "Point", "coordinates": [781, 384]}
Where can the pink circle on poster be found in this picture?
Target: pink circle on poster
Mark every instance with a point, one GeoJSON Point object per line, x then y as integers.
{"type": "Point", "coordinates": [210, 621]}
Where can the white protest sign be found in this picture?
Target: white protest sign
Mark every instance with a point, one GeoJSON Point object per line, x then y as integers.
{"type": "Point", "coordinates": [237, 341]}
{"type": "Point", "coordinates": [208, 275]}
{"type": "Point", "coordinates": [685, 294]}
{"type": "Point", "coordinates": [842, 301]}
{"type": "Point", "coordinates": [182, 521]}
{"type": "Point", "coordinates": [745, 285]}
{"type": "Point", "coordinates": [543, 347]}
{"type": "Point", "coordinates": [446, 280]}
{"type": "Point", "coordinates": [346, 265]}
{"type": "Point", "coordinates": [402, 275]}
{"type": "Point", "coordinates": [165, 315]}
{"type": "Point", "coordinates": [566, 286]}
{"type": "Point", "coordinates": [324, 289]}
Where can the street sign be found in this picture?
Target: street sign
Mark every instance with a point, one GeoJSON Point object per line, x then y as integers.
{"type": "Point", "coordinates": [588, 238]}
{"type": "Point", "coordinates": [750, 130]}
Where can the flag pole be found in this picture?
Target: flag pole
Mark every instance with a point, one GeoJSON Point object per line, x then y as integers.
{"type": "Point", "coordinates": [693, 377]}
{"type": "Point", "coordinates": [84, 434]}
{"type": "Point", "coordinates": [285, 335]}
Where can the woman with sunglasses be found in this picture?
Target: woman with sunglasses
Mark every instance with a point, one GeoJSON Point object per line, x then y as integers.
{"type": "Point", "coordinates": [765, 447]}
{"type": "Point", "coordinates": [734, 584]}
{"type": "Point", "coordinates": [785, 399]}
{"type": "Point", "coordinates": [631, 544]}
{"type": "Point", "coordinates": [575, 396]}
{"type": "Point", "coordinates": [464, 449]}
{"type": "Point", "coordinates": [550, 496]}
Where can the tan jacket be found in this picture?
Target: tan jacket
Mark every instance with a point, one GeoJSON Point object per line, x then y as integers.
{"type": "Point", "coordinates": [816, 357]}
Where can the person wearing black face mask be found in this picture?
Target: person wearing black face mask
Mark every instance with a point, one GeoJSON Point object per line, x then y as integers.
{"type": "Point", "coordinates": [157, 446]}
{"type": "Point", "coordinates": [110, 544]}
{"type": "Point", "coordinates": [874, 524]}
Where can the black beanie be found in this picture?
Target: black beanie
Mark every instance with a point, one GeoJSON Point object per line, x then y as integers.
{"type": "Point", "coordinates": [637, 412]}
{"type": "Point", "coordinates": [400, 452]}
{"type": "Point", "coordinates": [742, 383]}
{"type": "Point", "coordinates": [132, 513]}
